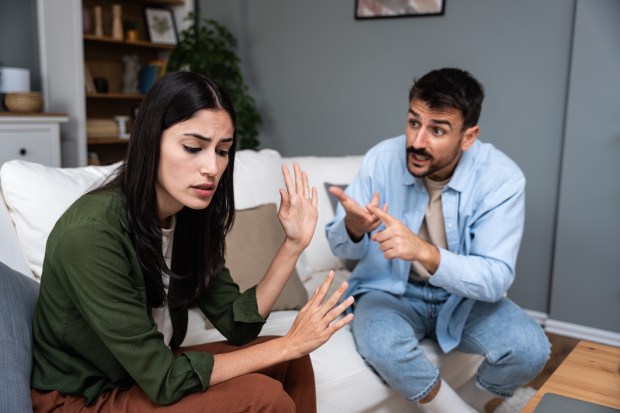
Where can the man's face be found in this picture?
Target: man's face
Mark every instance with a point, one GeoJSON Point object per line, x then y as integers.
{"type": "Point", "coordinates": [435, 140]}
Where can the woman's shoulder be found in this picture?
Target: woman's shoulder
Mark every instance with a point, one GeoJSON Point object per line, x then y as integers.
{"type": "Point", "coordinates": [93, 209]}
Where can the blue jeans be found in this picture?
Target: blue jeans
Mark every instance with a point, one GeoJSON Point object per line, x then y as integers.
{"type": "Point", "coordinates": [388, 328]}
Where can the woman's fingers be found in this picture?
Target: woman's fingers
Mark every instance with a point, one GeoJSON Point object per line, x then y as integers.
{"type": "Point", "coordinates": [304, 184]}
{"type": "Point", "coordinates": [315, 197]}
{"type": "Point", "coordinates": [299, 184]}
{"type": "Point", "coordinates": [335, 312]}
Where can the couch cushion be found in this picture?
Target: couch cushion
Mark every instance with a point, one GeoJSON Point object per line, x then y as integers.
{"type": "Point", "coordinates": [339, 170]}
{"type": "Point", "coordinates": [18, 296]}
{"type": "Point", "coordinates": [37, 195]}
{"type": "Point", "coordinates": [257, 178]}
{"type": "Point", "coordinates": [251, 245]}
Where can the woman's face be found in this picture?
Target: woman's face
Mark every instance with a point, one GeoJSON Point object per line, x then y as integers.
{"type": "Point", "coordinates": [193, 158]}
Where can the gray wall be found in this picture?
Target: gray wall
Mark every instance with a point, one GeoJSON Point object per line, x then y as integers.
{"type": "Point", "coordinates": [586, 274]}
{"type": "Point", "coordinates": [328, 84]}
{"type": "Point", "coordinates": [19, 38]}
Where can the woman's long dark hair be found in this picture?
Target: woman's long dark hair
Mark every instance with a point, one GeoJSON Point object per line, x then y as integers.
{"type": "Point", "coordinates": [199, 237]}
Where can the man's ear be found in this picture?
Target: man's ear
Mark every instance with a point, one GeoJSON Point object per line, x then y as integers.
{"type": "Point", "coordinates": [469, 137]}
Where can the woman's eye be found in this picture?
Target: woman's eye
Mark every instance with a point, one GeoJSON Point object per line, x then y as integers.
{"type": "Point", "coordinates": [191, 149]}
{"type": "Point", "coordinates": [222, 152]}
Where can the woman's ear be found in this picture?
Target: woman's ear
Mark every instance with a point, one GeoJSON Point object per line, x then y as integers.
{"type": "Point", "coordinates": [469, 137]}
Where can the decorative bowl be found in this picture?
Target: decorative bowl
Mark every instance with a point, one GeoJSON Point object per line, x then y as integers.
{"type": "Point", "coordinates": [25, 102]}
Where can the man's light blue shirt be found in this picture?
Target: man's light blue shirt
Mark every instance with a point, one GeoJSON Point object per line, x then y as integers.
{"type": "Point", "coordinates": [483, 207]}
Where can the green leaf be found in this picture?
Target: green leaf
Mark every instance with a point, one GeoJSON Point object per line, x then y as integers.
{"type": "Point", "coordinates": [209, 48]}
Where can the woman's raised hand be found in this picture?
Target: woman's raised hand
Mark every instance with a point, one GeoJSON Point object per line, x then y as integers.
{"type": "Point", "coordinates": [318, 320]}
{"type": "Point", "coordinates": [298, 207]}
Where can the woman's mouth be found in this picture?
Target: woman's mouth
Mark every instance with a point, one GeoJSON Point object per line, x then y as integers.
{"type": "Point", "coordinates": [204, 190]}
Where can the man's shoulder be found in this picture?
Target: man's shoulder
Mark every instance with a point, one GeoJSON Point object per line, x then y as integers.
{"type": "Point", "coordinates": [486, 170]}
{"type": "Point", "coordinates": [497, 162]}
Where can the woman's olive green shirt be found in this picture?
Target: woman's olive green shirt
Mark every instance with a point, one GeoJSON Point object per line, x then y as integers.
{"type": "Point", "coordinates": [93, 328]}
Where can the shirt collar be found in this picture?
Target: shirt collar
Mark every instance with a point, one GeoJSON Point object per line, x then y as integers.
{"type": "Point", "coordinates": [462, 173]}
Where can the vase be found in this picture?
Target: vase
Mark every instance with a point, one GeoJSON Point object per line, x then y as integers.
{"type": "Point", "coordinates": [98, 22]}
{"type": "Point", "coordinates": [117, 22]}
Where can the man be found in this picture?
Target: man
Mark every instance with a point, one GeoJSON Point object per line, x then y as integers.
{"type": "Point", "coordinates": [435, 218]}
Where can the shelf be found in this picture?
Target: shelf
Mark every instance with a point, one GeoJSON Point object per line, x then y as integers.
{"type": "Point", "coordinates": [111, 95]}
{"type": "Point", "coordinates": [107, 140]}
{"type": "Point", "coordinates": [136, 43]}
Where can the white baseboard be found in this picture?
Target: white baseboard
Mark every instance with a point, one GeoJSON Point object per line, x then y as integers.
{"type": "Point", "coordinates": [582, 332]}
{"type": "Point", "coordinates": [563, 328]}
{"type": "Point", "coordinates": [538, 316]}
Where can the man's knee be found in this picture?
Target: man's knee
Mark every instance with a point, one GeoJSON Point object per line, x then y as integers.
{"type": "Point", "coordinates": [526, 354]}
{"type": "Point", "coordinates": [377, 327]}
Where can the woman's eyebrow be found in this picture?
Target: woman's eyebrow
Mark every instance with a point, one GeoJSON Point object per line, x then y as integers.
{"type": "Point", "coordinates": [204, 138]}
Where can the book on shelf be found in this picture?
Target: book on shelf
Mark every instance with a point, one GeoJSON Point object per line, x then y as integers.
{"type": "Point", "coordinates": [89, 83]}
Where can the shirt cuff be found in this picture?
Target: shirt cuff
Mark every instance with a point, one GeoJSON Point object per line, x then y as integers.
{"type": "Point", "coordinates": [245, 308]}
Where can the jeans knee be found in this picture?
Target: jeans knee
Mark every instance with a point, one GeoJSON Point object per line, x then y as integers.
{"type": "Point", "coordinates": [527, 357]}
{"type": "Point", "coordinates": [383, 348]}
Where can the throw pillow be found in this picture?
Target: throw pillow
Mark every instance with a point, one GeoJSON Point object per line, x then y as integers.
{"type": "Point", "coordinates": [37, 195]}
{"type": "Point", "coordinates": [251, 245]}
{"type": "Point", "coordinates": [349, 264]}
{"type": "Point", "coordinates": [18, 296]}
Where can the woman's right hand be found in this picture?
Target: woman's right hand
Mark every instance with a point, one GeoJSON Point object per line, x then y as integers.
{"type": "Point", "coordinates": [317, 320]}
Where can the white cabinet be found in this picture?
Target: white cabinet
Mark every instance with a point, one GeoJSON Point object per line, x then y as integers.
{"type": "Point", "coordinates": [34, 138]}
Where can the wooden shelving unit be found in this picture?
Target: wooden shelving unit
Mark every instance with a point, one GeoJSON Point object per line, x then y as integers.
{"type": "Point", "coordinates": [103, 57]}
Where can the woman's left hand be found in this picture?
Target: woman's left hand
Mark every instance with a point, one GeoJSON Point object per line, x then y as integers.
{"type": "Point", "coordinates": [298, 208]}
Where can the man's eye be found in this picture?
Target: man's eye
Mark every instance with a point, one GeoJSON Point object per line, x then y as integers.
{"type": "Point", "coordinates": [191, 149]}
{"type": "Point", "coordinates": [413, 123]}
{"type": "Point", "coordinates": [438, 132]}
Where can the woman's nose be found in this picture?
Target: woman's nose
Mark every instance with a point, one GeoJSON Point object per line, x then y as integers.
{"type": "Point", "coordinates": [208, 166]}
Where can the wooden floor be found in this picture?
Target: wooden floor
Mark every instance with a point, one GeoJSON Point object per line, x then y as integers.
{"type": "Point", "coordinates": [560, 347]}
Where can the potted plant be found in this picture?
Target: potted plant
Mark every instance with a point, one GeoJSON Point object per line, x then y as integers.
{"type": "Point", "coordinates": [209, 48]}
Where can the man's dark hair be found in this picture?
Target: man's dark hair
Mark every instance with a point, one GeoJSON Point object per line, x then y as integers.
{"type": "Point", "coordinates": [450, 88]}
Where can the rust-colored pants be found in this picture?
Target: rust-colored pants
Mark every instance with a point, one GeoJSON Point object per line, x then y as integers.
{"type": "Point", "coordinates": [286, 387]}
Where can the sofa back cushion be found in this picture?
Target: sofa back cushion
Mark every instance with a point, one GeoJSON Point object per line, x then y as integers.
{"type": "Point", "coordinates": [37, 195]}
{"type": "Point", "coordinates": [338, 170]}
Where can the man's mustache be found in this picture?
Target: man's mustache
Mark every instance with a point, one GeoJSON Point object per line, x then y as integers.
{"type": "Point", "coordinates": [419, 152]}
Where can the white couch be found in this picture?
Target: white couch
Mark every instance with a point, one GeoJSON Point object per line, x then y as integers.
{"type": "Point", "coordinates": [34, 196]}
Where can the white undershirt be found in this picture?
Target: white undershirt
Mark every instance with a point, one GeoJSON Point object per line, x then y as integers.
{"type": "Point", "coordinates": [161, 315]}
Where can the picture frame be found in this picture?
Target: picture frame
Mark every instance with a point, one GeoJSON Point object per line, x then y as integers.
{"type": "Point", "coordinates": [161, 26]}
{"type": "Point", "coordinates": [375, 9]}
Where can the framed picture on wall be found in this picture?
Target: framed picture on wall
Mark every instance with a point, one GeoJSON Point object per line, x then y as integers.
{"type": "Point", "coordinates": [373, 9]}
{"type": "Point", "coordinates": [160, 25]}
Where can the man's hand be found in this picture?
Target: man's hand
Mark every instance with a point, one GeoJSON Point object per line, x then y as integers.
{"type": "Point", "coordinates": [398, 241]}
{"type": "Point", "coordinates": [358, 220]}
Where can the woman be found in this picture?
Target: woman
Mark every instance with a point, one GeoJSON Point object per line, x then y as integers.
{"type": "Point", "coordinates": [126, 261]}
